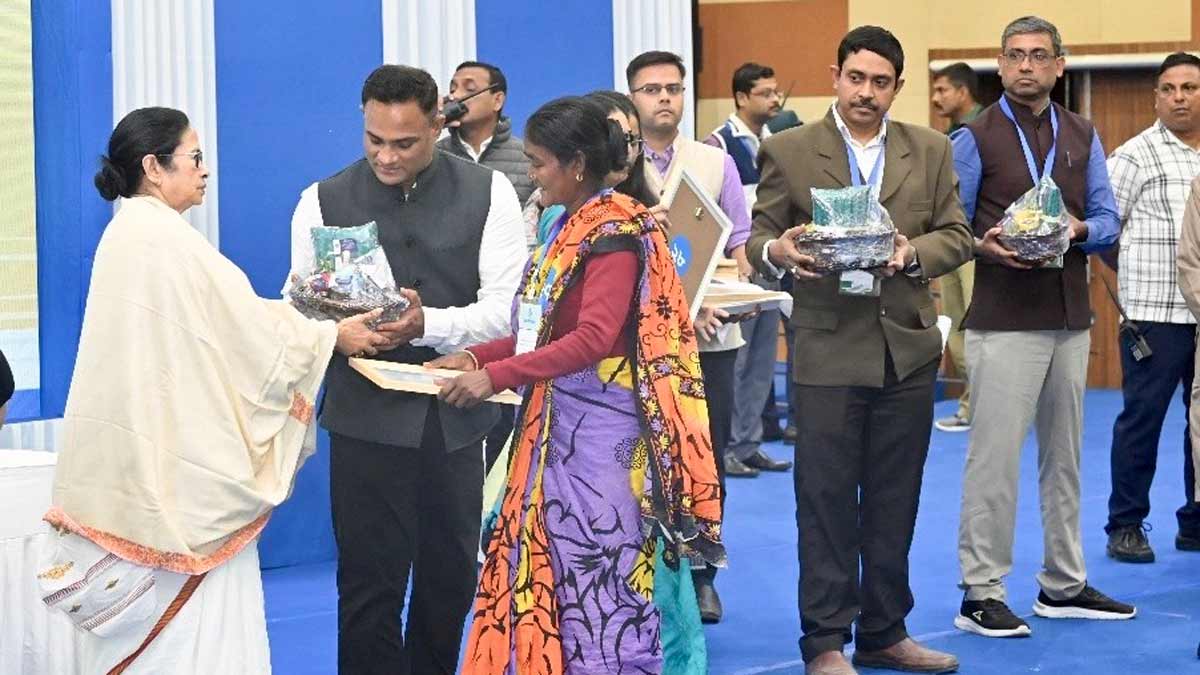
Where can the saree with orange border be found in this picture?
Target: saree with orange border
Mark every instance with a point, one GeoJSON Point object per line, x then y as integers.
{"type": "Point", "coordinates": [611, 469]}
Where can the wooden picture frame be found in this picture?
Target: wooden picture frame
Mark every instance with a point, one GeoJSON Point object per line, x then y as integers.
{"type": "Point", "coordinates": [416, 379]}
{"type": "Point", "coordinates": [697, 238]}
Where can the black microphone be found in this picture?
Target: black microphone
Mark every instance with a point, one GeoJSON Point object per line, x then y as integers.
{"type": "Point", "coordinates": [786, 119]}
{"type": "Point", "coordinates": [456, 109]}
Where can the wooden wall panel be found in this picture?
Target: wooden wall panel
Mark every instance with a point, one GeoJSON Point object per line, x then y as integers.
{"type": "Point", "coordinates": [797, 38]}
{"type": "Point", "coordinates": [1122, 105]}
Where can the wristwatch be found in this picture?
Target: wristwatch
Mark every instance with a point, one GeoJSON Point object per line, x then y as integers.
{"type": "Point", "coordinates": [913, 269]}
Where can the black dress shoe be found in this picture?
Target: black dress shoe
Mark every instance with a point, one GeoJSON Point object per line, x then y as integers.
{"type": "Point", "coordinates": [1129, 544]}
{"type": "Point", "coordinates": [772, 432]}
{"type": "Point", "coordinates": [1187, 542]}
{"type": "Point", "coordinates": [763, 462]}
{"type": "Point", "coordinates": [735, 469]}
{"type": "Point", "coordinates": [790, 434]}
{"type": "Point", "coordinates": [709, 601]}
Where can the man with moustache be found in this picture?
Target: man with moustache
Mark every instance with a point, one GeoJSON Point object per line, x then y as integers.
{"type": "Point", "coordinates": [406, 471]}
{"type": "Point", "coordinates": [756, 99]}
{"type": "Point", "coordinates": [1028, 337]}
{"type": "Point", "coordinates": [955, 91]}
{"type": "Point", "coordinates": [866, 362]}
{"type": "Point", "coordinates": [1151, 177]}
{"type": "Point", "coordinates": [485, 133]}
{"type": "Point", "coordinates": [656, 88]}
{"type": "Point", "coordinates": [956, 95]}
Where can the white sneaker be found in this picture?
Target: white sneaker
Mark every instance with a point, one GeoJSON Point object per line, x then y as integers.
{"type": "Point", "coordinates": [952, 424]}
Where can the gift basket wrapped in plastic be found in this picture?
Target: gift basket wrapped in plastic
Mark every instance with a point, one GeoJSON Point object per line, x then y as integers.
{"type": "Point", "coordinates": [850, 230]}
{"type": "Point", "coordinates": [349, 275]}
{"type": "Point", "coordinates": [1034, 226]}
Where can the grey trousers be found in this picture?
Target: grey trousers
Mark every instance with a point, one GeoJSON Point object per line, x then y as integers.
{"type": "Point", "coordinates": [753, 372]}
{"type": "Point", "coordinates": [1019, 378]}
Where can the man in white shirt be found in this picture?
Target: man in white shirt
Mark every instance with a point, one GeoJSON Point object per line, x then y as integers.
{"type": "Point", "coordinates": [406, 472]}
{"type": "Point", "coordinates": [483, 133]}
{"type": "Point", "coordinates": [1151, 178]}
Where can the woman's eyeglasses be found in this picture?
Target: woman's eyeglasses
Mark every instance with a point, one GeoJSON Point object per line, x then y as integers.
{"type": "Point", "coordinates": [197, 156]}
{"type": "Point", "coordinates": [635, 141]}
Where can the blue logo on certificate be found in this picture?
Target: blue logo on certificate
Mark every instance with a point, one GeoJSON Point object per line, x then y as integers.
{"type": "Point", "coordinates": [681, 253]}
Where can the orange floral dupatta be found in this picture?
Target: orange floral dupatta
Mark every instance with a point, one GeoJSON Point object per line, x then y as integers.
{"type": "Point", "coordinates": [515, 614]}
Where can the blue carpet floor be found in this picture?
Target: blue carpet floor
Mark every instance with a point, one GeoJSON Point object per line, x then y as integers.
{"type": "Point", "coordinates": [760, 630]}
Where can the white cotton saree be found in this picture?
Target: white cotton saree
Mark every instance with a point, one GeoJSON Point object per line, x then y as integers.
{"type": "Point", "coordinates": [191, 406]}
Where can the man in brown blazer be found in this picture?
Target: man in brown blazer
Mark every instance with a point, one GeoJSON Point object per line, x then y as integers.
{"type": "Point", "coordinates": [866, 356]}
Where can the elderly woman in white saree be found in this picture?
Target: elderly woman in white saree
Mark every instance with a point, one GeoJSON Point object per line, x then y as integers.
{"type": "Point", "coordinates": [190, 412]}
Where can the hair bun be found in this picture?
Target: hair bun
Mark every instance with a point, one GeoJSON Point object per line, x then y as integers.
{"type": "Point", "coordinates": [110, 180]}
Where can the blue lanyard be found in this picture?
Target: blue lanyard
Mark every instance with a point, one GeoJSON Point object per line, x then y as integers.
{"type": "Point", "coordinates": [552, 234]}
{"type": "Point", "coordinates": [1048, 165]}
{"type": "Point", "coordinates": [539, 256]}
{"type": "Point", "coordinates": [856, 175]}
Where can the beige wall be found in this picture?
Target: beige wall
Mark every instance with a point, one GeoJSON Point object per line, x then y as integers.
{"type": "Point", "coordinates": [712, 112]}
{"type": "Point", "coordinates": [922, 25]}
{"type": "Point", "coordinates": [978, 24]}
{"type": "Point", "coordinates": [18, 234]}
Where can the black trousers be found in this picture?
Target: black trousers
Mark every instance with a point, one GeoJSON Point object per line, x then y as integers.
{"type": "Point", "coordinates": [789, 336]}
{"type": "Point", "coordinates": [717, 368]}
{"type": "Point", "coordinates": [1148, 386]}
{"type": "Point", "coordinates": [860, 458]}
{"type": "Point", "coordinates": [494, 442]}
{"type": "Point", "coordinates": [398, 509]}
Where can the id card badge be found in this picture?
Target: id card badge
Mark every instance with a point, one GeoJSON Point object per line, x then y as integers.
{"type": "Point", "coordinates": [858, 282]}
{"type": "Point", "coordinates": [529, 318]}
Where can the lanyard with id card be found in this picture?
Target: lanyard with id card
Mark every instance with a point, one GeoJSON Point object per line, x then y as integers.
{"type": "Point", "coordinates": [529, 321]}
{"type": "Point", "coordinates": [860, 282]}
{"type": "Point", "coordinates": [530, 310]}
{"type": "Point", "coordinates": [1047, 164]}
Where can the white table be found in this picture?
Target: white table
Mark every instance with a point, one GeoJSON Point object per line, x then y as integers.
{"type": "Point", "coordinates": [33, 640]}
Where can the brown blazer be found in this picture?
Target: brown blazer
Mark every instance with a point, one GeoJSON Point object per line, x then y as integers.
{"type": "Point", "coordinates": [841, 340]}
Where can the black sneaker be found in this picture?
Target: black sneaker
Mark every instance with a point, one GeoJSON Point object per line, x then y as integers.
{"type": "Point", "coordinates": [1129, 544]}
{"type": "Point", "coordinates": [990, 618]}
{"type": "Point", "coordinates": [1089, 604]}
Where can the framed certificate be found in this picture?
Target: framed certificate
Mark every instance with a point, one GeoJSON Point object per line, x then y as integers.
{"type": "Point", "coordinates": [416, 379]}
{"type": "Point", "coordinates": [736, 297]}
{"type": "Point", "coordinates": [699, 231]}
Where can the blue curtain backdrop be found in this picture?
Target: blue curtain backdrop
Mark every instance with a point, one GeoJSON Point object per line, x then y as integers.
{"type": "Point", "coordinates": [288, 88]}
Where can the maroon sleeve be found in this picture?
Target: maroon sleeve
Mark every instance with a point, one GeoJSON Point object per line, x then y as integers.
{"type": "Point", "coordinates": [607, 288]}
{"type": "Point", "coordinates": [500, 348]}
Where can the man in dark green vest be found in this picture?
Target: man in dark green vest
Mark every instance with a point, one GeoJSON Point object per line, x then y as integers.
{"type": "Point", "coordinates": [406, 472]}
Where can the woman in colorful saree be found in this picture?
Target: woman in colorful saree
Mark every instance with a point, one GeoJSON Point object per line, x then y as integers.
{"type": "Point", "coordinates": [612, 458]}
{"type": "Point", "coordinates": [190, 412]}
